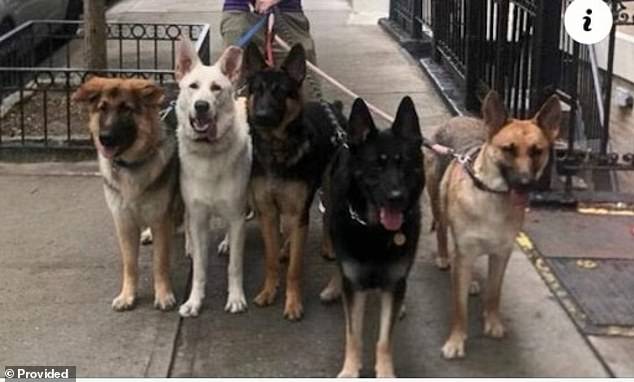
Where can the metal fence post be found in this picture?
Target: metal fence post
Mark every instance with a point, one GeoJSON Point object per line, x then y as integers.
{"type": "Point", "coordinates": [605, 136]}
{"type": "Point", "coordinates": [546, 66]}
{"type": "Point", "coordinates": [436, 26]}
{"type": "Point", "coordinates": [474, 9]}
{"type": "Point", "coordinates": [417, 19]}
{"type": "Point", "coordinates": [546, 51]}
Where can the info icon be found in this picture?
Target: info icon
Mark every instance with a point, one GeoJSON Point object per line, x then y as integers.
{"type": "Point", "coordinates": [588, 21]}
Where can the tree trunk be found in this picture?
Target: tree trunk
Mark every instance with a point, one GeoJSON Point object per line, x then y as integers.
{"type": "Point", "coordinates": [95, 48]}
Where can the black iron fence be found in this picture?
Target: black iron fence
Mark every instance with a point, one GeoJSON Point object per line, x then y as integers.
{"type": "Point", "coordinates": [41, 65]}
{"type": "Point", "coordinates": [407, 14]}
{"type": "Point", "coordinates": [520, 49]}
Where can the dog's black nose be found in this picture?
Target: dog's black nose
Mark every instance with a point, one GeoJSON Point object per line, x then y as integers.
{"type": "Point", "coordinates": [201, 107]}
{"type": "Point", "coordinates": [265, 117]}
{"type": "Point", "coordinates": [395, 196]}
{"type": "Point", "coordinates": [107, 138]}
{"type": "Point", "coordinates": [525, 180]}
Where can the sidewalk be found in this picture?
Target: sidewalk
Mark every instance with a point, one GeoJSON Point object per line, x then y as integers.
{"type": "Point", "coordinates": [60, 267]}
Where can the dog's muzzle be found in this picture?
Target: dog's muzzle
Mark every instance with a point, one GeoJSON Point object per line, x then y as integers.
{"type": "Point", "coordinates": [202, 122]}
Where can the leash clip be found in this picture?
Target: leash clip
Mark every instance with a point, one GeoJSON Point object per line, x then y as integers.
{"type": "Point", "coordinates": [463, 158]}
{"type": "Point", "coordinates": [164, 112]}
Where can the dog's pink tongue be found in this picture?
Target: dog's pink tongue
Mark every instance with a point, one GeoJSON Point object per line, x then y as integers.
{"type": "Point", "coordinates": [391, 219]}
{"type": "Point", "coordinates": [519, 199]}
{"type": "Point", "coordinates": [108, 153]}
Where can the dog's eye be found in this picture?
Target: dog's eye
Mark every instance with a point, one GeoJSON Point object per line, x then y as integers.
{"type": "Point", "coordinates": [535, 151]}
{"type": "Point", "coordinates": [193, 85]}
{"type": "Point", "coordinates": [215, 88]}
{"type": "Point", "coordinates": [509, 149]}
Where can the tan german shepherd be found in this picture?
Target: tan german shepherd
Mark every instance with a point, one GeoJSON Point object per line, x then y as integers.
{"type": "Point", "coordinates": [483, 201]}
{"type": "Point", "coordinates": [139, 164]}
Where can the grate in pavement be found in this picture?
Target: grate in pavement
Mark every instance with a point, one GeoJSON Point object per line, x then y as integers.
{"type": "Point", "coordinates": [558, 233]}
{"type": "Point", "coordinates": [604, 293]}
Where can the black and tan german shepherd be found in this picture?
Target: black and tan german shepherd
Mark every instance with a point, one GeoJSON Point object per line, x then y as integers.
{"type": "Point", "coordinates": [292, 145]}
{"type": "Point", "coordinates": [374, 219]}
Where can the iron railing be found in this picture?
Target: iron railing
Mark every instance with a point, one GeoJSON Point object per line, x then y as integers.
{"type": "Point", "coordinates": [520, 48]}
{"type": "Point", "coordinates": [42, 65]}
{"type": "Point", "coordinates": [407, 14]}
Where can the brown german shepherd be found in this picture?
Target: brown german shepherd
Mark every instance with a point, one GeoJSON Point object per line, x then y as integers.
{"type": "Point", "coordinates": [482, 202]}
{"type": "Point", "coordinates": [139, 164]}
{"type": "Point", "coordinates": [292, 145]}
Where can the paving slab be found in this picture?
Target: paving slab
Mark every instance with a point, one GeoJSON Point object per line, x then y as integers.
{"type": "Point", "coordinates": [618, 354]}
{"type": "Point", "coordinates": [60, 270]}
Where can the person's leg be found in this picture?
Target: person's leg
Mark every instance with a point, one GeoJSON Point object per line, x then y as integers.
{"type": "Point", "coordinates": [235, 23]}
{"type": "Point", "coordinates": [295, 27]}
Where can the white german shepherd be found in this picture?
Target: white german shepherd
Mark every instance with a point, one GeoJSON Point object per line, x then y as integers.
{"type": "Point", "coordinates": [215, 154]}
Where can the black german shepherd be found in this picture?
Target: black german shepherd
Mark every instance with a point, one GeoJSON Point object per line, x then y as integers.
{"type": "Point", "coordinates": [292, 145]}
{"type": "Point", "coordinates": [374, 218]}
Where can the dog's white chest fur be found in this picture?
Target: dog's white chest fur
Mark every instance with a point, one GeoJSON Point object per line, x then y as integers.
{"type": "Point", "coordinates": [215, 175]}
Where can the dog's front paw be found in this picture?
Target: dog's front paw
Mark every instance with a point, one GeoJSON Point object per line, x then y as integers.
{"type": "Point", "coordinates": [474, 288]}
{"type": "Point", "coordinates": [329, 294]}
{"type": "Point", "coordinates": [442, 263]}
{"type": "Point", "coordinates": [146, 237]}
{"type": "Point", "coordinates": [402, 313]}
{"type": "Point", "coordinates": [165, 301]}
{"type": "Point", "coordinates": [223, 247]}
{"type": "Point", "coordinates": [266, 297]}
{"type": "Point", "coordinates": [293, 310]}
{"type": "Point", "coordinates": [190, 308]}
{"type": "Point", "coordinates": [384, 369]}
{"type": "Point", "coordinates": [493, 326]}
{"type": "Point", "coordinates": [236, 303]}
{"type": "Point", "coordinates": [123, 302]}
{"type": "Point", "coordinates": [348, 373]}
{"type": "Point", "coordinates": [285, 251]}
{"type": "Point", "coordinates": [387, 373]}
{"type": "Point", "coordinates": [454, 347]}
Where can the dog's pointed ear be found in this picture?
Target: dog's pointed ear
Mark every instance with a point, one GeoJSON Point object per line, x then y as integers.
{"type": "Point", "coordinates": [295, 63]}
{"type": "Point", "coordinates": [186, 58]}
{"type": "Point", "coordinates": [494, 113]}
{"type": "Point", "coordinates": [150, 93]}
{"type": "Point", "coordinates": [231, 63]}
{"type": "Point", "coordinates": [253, 61]}
{"type": "Point", "coordinates": [548, 118]}
{"type": "Point", "coordinates": [89, 91]}
{"type": "Point", "coordinates": [360, 125]}
{"type": "Point", "coordinates": [406, 124]}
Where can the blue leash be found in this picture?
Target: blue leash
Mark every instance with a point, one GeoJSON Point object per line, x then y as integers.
{"type": "Point", "coordinates": [248, 35]}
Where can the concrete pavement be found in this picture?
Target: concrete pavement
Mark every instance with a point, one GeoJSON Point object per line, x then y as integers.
{"type": "Point", "coordinates": [60, 266]}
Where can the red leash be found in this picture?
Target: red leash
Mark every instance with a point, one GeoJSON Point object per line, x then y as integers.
{"type": "Point", "coordinates": [270, 36]}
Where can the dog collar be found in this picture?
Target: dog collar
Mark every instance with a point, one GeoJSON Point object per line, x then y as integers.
{"type": "Point", "coordinates": [134, 164]}
{"type": "Point", "coordinates": [466, 161]}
